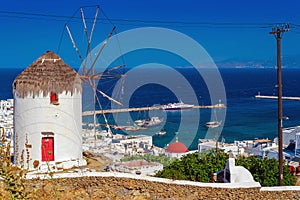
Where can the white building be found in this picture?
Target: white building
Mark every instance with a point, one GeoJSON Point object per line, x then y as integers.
{"type": "Point", "coordinates": [6, 122]}
{"type": "Point", "coordinates": [297, 144]}
{"type": "Point", "coordinates": [6, 107]}
{"type": "Point", "coordinates": [133, 144]}
{"type": "Point", "coordinates": [208, 144]}
{"type": "Point", "coordinates": [6, 118]}
{"type": "Point", "coordinates": [290, 136]}
{"type": "Point", "coordinates": [141, 167]}
{"type": "Point", "coordinates": [48, 114]}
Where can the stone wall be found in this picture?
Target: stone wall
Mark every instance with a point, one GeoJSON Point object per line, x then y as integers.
{"type": "Point", "coordinates": [130, 188]}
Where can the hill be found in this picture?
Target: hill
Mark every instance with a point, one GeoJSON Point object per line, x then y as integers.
{"type": "Point", "coordinates": [289, 61]}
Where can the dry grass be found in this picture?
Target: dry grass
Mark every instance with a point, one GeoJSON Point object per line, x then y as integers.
{"type": "Point", "coordinates": [14, 177]}
{"type": "Point", "coordinates": [297, 180]}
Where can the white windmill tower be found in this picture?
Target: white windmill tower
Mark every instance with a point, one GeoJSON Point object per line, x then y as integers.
{"type": "Point", "coordinates": [47, 118]}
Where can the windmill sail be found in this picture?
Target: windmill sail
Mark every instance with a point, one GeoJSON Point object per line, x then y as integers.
{"type": "Point", "coordinates": [88, 74]}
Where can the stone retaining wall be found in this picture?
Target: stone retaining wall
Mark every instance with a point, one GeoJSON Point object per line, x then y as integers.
{"type": "Point", "coordinates": [108, 187]}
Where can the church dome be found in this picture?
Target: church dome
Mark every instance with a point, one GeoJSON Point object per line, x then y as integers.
{"type": "Point", "coordinates": [177, 147]}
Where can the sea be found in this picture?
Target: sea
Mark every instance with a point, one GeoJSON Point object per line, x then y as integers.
{"type": "Point", "coordinates": [246, 117]}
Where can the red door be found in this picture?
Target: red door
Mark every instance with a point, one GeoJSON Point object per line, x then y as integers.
{"type": "Point", "coordinates": [48, 149]}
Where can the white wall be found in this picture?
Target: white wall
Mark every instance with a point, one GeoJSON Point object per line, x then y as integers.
{"type": "Point", "coordinates": [175, 155]}
{"type": "Point", "coordinates": [36, 115]}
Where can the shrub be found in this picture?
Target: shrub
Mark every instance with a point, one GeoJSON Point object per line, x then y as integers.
{"type": "Point", "coordinates": [195, 167]}
{"type": "Point", "coordinates": [201, 166]}
{"type": "Point", "coordinates": [265, 171]}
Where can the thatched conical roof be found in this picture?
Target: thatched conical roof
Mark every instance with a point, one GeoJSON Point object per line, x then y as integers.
{"type": "Point", "coordinates": [47, 74]}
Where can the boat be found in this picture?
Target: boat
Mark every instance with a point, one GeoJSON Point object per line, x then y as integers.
{"type": "Point", "coordinates": [154, 121]}
{"type": "Point", "coordinates": [119, 127]}
{"type": "Point", "coordinates": [213, 124]}
{"type": "Point", "coordinates": [134, 128]}
{"type": "Point", "coordinates": [177, 106]}
{"type": "Point", "coordinates": [139, 122]}
{"type": "Point", "coordinates": [160, 133]}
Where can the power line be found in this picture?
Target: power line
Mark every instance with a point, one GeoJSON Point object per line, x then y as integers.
{"type": "Point", "coordinates": [295, 32]}
{"type": "Point", "coordinates": [295, 25]}
{"type": "Point", "coordinates": [31, 18]}
{"type": "Point", "coordinates": [205, 24]}
{"type": "Point", "coordinates": [63, 31]}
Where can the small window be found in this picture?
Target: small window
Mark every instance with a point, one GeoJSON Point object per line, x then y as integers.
{"type": "Point", "coordinates": [54, 98]}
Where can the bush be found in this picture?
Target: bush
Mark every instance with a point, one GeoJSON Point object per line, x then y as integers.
{"type": "Point", "coordinates": [265, 171]}
{"type": "Point", "coordinates": [195, 167]}
{"type": "Point", "coordinates": [202, 166]}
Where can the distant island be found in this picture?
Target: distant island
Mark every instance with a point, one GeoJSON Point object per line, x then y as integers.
{"type": "Point", "coordinates": [290, 61]}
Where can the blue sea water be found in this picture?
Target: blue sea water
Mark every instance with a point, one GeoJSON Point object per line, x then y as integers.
{"type": "Point", "coordinates": [246, 117]}
{"type": "Point", "coordinates": [7, 76]}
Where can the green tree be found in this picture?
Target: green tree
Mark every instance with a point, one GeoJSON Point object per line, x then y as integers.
{"type": "Point", "coordinates": [195, 167]}
{"type": "Point", "coordinates": [265, 171]}
{"type": "Point", "coordinates": [201, 167]}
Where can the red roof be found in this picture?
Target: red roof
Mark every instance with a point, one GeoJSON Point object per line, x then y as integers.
{"type": "Point", "coordinates": [177, 147]}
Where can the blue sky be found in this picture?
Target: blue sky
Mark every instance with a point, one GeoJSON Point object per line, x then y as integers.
{"type": "Point", "coordinates": [24, 37]}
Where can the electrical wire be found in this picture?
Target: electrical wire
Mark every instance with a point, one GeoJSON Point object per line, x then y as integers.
{"type": "Point", "coordinates": [295, 25]}
{"type": "Point", "coordinates": [117, 21]}
{"type": "Point", "coordinates": [63, 31]}
{"type": "Point", "coordinates": [295, 32]}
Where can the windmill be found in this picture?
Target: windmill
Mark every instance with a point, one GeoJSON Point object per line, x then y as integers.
{"type": "Point", "coordinates": [88, 74]}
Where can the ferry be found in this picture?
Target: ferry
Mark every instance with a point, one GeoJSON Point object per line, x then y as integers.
{"type": "Point", "coordinates": [177, 106]}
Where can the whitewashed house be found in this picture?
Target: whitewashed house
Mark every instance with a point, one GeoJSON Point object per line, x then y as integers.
{"type": "Point", "coordinates": [48, 115]}
{"type": "Point", "coordinates": [209, 144]}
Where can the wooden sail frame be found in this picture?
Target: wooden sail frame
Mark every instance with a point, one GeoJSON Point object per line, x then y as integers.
{"type": "Point", "coordinates": [88, 74]}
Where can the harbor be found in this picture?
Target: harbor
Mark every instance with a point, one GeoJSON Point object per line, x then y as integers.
{"type": "Point", "coordinates": [276, 97]}
{"type": "Point", "coordinates": [88, 113]}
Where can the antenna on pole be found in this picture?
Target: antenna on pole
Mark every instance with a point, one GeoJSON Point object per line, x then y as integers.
{"type": "Point", "coordinates": [278, 31]}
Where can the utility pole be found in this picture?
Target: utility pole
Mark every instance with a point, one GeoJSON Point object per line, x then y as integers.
{"type": "Point", "coordinates": [217, 136]}
{"type": "Point", "coordinates": [278, 32]}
